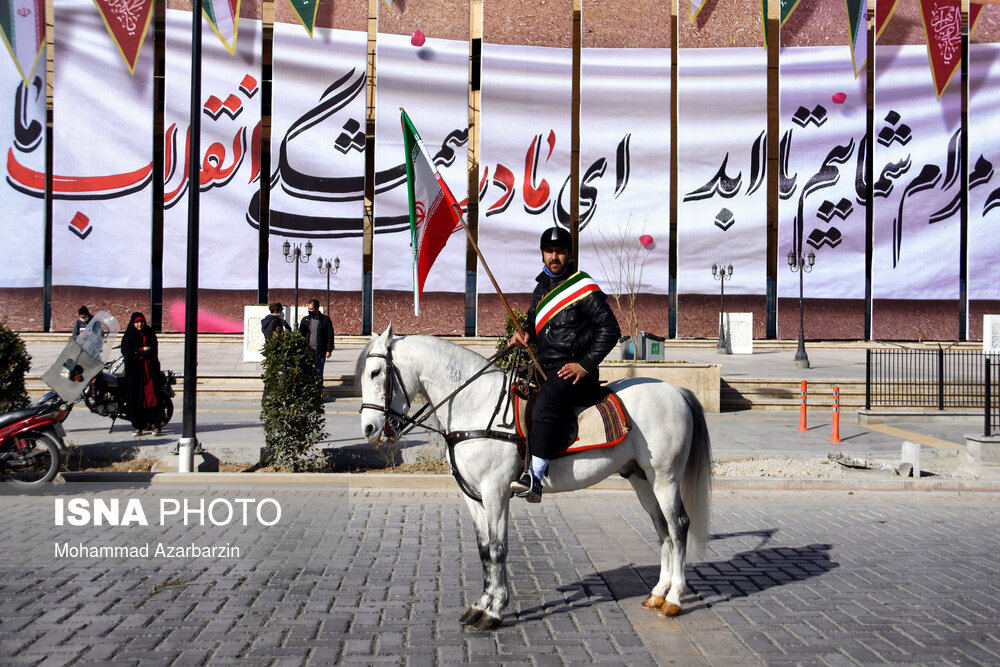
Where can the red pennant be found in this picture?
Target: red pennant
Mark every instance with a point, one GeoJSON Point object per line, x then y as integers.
{"type": "Point", "coordinates": [127, 21]}
{"type": "Point", "coordinates": [883, 12]}
{"type": "Point", "coordinates": [943, 25]}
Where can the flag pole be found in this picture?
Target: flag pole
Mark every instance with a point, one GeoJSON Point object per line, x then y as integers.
{"type": "Point", "coordinates": [510, 311]}
{"type": "Point", "coordinates": [405, 119]}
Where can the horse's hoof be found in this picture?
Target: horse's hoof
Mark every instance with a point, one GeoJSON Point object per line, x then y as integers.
{"type": "Point", "coordinates": [487, 622]}
{"type": "Point", "coordinates": [670, 609]}
{"type": "Point", "coordinates": [471, 615]}
{"type": "Point", "coordinates": [654, 602]}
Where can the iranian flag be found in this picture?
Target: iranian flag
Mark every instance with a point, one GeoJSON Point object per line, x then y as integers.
{"type": "Point", "coordinates": [433, 216]}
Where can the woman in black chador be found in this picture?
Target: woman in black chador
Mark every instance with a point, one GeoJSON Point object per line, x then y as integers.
{"type": "Point", "coordinates": [142, 368]}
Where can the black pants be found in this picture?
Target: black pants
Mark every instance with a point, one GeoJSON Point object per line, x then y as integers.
{"type": "Point", "coordinates": [552, 418]}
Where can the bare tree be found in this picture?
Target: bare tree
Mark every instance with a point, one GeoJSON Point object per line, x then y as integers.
{"type": "Point", "coordinates": [622, 259]}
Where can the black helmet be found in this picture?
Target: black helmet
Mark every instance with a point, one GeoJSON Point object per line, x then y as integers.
{"type": "Point", "coordinates": [556, 236]}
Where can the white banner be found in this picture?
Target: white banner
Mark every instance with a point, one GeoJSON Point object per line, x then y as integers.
{"type": "Point", "coordinates": [230, 120]}
{"type": "Point", "coordinates": [525, 157]}
{"type": "Point", "coordinates": [22, 136]}
{"type": "Point", "coordinates": [102, 156]}
{"type": "Point", "coordinates": [722, 108]}
{"type": "Point", "coordinates": [103, 162]}
{"type": "Point", "coordinates": [984, 161]}
{"type": "Point", "coordinates": [432, 83]}
{"type": "Point", "coordinates": [624, 166]}
{"type": "Point", "coordinates": [821, 184]}
{"type": "Point", "coordinates": [317, 154]}
{"type": "Point", "coordinates": [916, 220]}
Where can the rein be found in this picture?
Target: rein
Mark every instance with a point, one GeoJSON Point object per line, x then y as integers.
{"type": "Point", "coordinates": [401, 423]}
{"type": "Point", "coordinates": [421, 416]}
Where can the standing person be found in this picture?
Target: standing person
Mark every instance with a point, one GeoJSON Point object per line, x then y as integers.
{"type": "Point", "coordinates": [573, 329]}
{"type": "Point", "coordinates": [142, 369]}
{"type": "Point", "coordinates": [318, 330]}
{"type": "Point", "coordinates": [83, 319]}
{"type": "Point", "coordinates": [274, 321]}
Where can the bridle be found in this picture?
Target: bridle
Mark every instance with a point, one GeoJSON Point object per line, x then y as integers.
{"type": "Point", "coordinates": [396, 423]}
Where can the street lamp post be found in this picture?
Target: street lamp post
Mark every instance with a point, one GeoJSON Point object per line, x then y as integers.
{"type": "Point", "coordinates": [328, 269]}
{"type": "Point", "coordinates": [294, 254]}
{"type": "Point", "coordinates": [796, 262]}
{"type": "Point", "coordinates": [722, 274]}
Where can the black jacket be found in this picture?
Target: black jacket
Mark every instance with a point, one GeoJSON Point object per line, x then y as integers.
{"type": "Point", "coordinates": [272, 323]}
{"type": "Point", "coordinates": [324, 336]}
{"type": "Point", "coordinates": [584, 332]}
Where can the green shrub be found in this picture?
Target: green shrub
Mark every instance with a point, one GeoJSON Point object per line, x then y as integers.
{"type": "Point", "coordinates": [292, 406]}
{"type": "Point", "coordinates": [507, 361]}
{"type": "Point", "coordinates": [15, 362]}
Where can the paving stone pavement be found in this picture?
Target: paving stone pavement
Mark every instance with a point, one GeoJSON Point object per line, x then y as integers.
{"type": "Point", "coordinates": [379, 576]}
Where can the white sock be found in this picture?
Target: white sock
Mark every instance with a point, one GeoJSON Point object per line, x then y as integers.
{"type": "Point", "coordinates": [539, 466]}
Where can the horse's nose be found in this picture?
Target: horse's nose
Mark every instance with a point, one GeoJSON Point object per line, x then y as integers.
{"type": "Point", "coordinates": [369, 431]}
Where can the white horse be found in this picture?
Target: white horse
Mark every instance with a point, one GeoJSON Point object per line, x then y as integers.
{"type": "Point", "coordinates": [666, 456]}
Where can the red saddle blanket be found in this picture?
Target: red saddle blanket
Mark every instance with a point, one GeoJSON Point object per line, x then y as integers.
{"type": "Point", "coordinates": [602, 425]}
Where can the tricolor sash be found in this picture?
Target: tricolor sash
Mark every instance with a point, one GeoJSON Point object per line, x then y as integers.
{"type": "Point", "coordinates": [574, 288]}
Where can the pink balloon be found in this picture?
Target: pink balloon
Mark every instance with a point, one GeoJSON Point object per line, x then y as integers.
{"type": "Point", "coordinates": [646, 240]}
{"type": "Point", "coordinates": [418, 38]}
{"type": "Point", "coordinates": [838, 98]}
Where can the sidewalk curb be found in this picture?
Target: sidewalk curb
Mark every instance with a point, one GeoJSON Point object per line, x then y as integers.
{"type": "Point", "coordinates": [429, 482]}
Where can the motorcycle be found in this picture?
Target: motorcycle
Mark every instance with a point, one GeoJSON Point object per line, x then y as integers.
{"type": "Point", "coordinates": [104, 390]}
{"type": "Point", "coordinates": [106, 394]}
{"type": "Point", "coordinates": [31, 442]}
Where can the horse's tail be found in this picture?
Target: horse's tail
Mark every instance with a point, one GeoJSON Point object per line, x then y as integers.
{"type": "Point", "coordinates": [696, 484]}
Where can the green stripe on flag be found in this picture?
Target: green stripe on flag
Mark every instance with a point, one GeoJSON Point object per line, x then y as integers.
{"type": "Point", "coordinates": [562, 288]}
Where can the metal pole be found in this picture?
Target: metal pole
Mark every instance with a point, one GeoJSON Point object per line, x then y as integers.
{"type": "Point", "coordinates": [801, 358]}
{"type": "Point", "coordinates": [940, 374]}
{"type": "Point", "coordinates": [296, 304]}
{"type": "Point", "coordinates": [188, 438]}
{"type": "Point", "coordinates": [720, 347]}
{"type": "Point", "coordinates": [988, 400]}
{"type": "Point", "coordinates": [868, 379]}
{"type": "Point", "coordinates": [327, 294]}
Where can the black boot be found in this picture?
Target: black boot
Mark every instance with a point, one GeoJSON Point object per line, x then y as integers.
{"type": "Point", "coordinates": [528, 487]}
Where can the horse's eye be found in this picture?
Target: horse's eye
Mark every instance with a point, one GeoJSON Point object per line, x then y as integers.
{"type": "Point", "coordinates": [376, 372]}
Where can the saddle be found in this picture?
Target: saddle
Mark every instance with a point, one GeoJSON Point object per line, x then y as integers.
{"type": "Point", "coordinates": [604, 424]}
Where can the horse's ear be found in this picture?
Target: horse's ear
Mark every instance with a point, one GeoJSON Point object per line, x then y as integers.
{"type": "Point", "coordinates": [387, 334]}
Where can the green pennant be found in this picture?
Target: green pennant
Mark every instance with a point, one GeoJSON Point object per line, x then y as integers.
{"type": "Point", "coordinates": [306, 11]}
{"type": "Point", "coordinates": [786, 8]}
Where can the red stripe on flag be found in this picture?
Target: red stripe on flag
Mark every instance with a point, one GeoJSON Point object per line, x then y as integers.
{"type": "Point", "coordinates": [562, 304]}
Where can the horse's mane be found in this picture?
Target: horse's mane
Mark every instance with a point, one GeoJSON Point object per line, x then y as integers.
{"type": "Point", "coordinates": [459, 350]}
{"type": "Point", "coordinates": [359, 365]}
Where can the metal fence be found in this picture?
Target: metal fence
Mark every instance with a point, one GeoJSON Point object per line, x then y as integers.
{"type": "Point", "coordinates": [935, 379]}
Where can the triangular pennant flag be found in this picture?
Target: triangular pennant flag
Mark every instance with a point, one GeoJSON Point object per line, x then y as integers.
{"type": "Point", "coordinates": [696, 6]}
{"type": "Point", "coordinates": [883, 12]}
{"type": "Point", "coordinates": [787, 7]}
{"type": "Point", "coordinates": [763, 20]}
{"type": "Point", "coordinates": [433, 217]}
{"type": "Point", "coordinates": [224, 17]}
{"type": "Point", "coordinates": [306, 11]}
{"type": "Point", "coordinates": [857, 25]}
{"type": "Point", "coordinates": [127, 22]}
{"type": "Point", "coordinates": [22, 23]}
{"type": "Point", "coordinates": [974, 10]}
{"type": "Point", "coordinates": [943, 25]}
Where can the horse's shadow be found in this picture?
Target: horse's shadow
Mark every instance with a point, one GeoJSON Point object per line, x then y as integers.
{"type": "Point", "coordinates": [709, 582]}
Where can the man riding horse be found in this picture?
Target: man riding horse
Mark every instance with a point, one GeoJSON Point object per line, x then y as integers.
{"type": "Point", "coordinates": [573, 329]}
